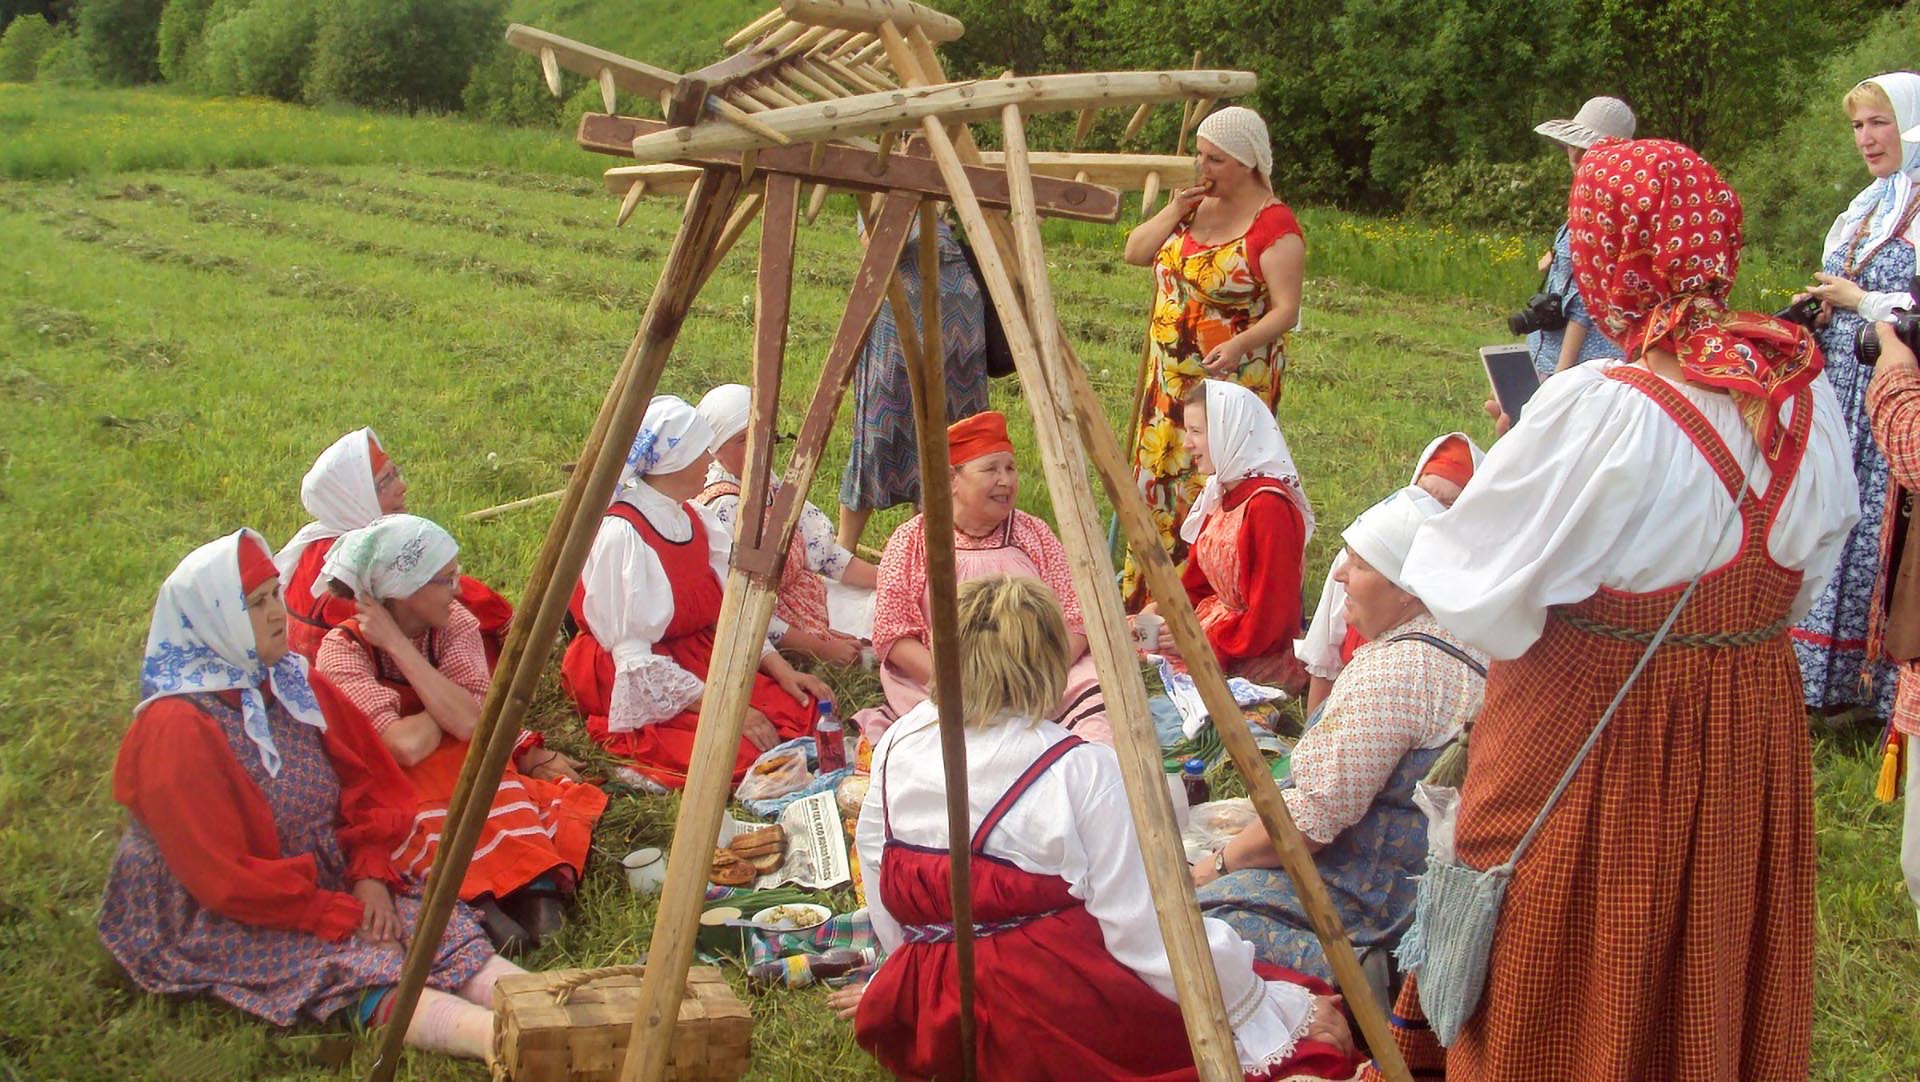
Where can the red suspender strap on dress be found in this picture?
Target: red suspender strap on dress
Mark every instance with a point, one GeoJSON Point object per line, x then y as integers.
{"type": "Point", "coordinates": [1019, 789]}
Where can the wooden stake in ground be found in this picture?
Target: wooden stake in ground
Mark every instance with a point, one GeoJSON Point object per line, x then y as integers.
{"type": "Point", "coordinates": [530, 640]}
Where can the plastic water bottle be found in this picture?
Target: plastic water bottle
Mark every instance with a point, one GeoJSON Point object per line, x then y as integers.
{"type": "Point", "coordinates": [829, 738]}
{"type": "Point", "coordinates": [1193, 774]}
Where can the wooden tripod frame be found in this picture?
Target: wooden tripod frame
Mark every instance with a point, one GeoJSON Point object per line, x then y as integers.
{"type": "Point", "coordinates": [1000, 213]}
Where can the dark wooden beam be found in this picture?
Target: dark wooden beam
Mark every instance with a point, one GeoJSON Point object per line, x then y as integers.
{"type": "Point", "coordinates": [852, 169]}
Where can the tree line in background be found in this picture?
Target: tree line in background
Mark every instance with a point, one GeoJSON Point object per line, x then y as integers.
{"type": "Point", "coordinates": [1417, 106]}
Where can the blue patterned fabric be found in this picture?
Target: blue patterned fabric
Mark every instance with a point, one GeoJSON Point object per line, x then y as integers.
{"type": "Point", "coordinates": [200, 639]}
{"type": "Point", "coordinates": [171, 945]}
{"type": "Point", "coordinates": [1369, 871]}
{"type": "Point", "coordinates": [883, 467]}
{"type": "Point", "coordinates": [1831, 640]}
{"type": "Point", "coordinates": [1544, 346]}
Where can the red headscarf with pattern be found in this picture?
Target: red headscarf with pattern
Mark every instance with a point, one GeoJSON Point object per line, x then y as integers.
{"type": "Point", "coordinates": [1656, 243]}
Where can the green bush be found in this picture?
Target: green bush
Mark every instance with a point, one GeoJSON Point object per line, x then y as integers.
{"type": "Point", "coordinates": [1528, 197]}
{"type": "Point", "coordinates": [1793, 183]}
{"type": "Point", "coordinates": [180, 39]}
{"type": "Point", "coordinates": [506, 87]}
{"type": "Point", "coordinates": [21, 46]}
{"type": "Point", "coordinates": [405, 54]}
{"type": "Point", "coordinates": [121, 39]}
{"type": "Point", "coordinates": [262, 50]}
{"type": "Point", "coordinates": [65, 61]}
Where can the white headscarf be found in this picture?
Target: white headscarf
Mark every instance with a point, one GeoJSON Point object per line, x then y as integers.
{"type": "Point", "coordinates": [391, 557]}
{"type": "Point", "coordinates": [338, 492]}
{"type": "Point", "coordinates": [1886, 197]}
{"type": "Point", "coordinates": [672, 437]}
{"type": "Point", "coordinates": [1241, 135]}
{"type": "Point", "coordinates": [727, 409]}
{"type": "Point", "coordinates": [1243, 440]}
{"type": "Point", "coordinates": [200, 640]}
{"type": "Point", "coordinates": [1383, 534]}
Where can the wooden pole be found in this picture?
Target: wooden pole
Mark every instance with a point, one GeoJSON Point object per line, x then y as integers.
{"type": "Point", "coordinates": [512, 505]}
{"type": "Point", "coordinates": [772, 305]}
{"type": "Point", "coordinates": [530, 641]}
{"type": "Point", "coordinates": [925, 355]}
{"type": "Point", "coordinates": [745, 612]}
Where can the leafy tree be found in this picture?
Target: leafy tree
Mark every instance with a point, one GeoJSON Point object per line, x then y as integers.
{"type": "Point", "coordinates": [180, 37]}
{"type": "Point", "coordinates": [405, 54]}
{"type": "Point", "coordinates": [261, 50]}
{"type": "Point", "coordinates": [21, 45]}
{"type": "Point", "coordinates": [120, 38]}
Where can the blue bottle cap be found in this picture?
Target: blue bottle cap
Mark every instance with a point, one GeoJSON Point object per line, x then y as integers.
{"type": "Point", "coordinates": [823, 707]}
{"type": "Point", "coordinates": [1194, 766]}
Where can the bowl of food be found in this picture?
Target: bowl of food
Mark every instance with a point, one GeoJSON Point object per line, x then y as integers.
{"type": "Point", "coordinates": [794, 917]}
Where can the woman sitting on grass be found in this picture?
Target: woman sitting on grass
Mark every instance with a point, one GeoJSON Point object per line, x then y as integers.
{"type": "Point", "coordinates": [1249, 532]}
{"type": "Point", "coordinates": [1074, 982]}
{"type": "Point", "coordinates": [813, 557]}
{"type": "Point", "coordinates": [256, 866]}
{"type": "Point", "coordinates": [990, 537]}
{"type": "Point", "coordinates": [411, 660]}
{"type": "Point", "coordinates": [353, 483]}
{"type": "Point", "coordinates": [647, 608]}
{"type": "Point", "coordinates": [1392, 712]}
{"type": "Point", "coordinates": [1442, 472]}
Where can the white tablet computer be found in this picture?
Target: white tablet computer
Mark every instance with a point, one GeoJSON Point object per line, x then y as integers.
{"type": "Point", "coordinates": [1511, 373]}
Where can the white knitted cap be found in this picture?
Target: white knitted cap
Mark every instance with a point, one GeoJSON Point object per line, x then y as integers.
{"type": "Point", "coordinates": [1241, 135]}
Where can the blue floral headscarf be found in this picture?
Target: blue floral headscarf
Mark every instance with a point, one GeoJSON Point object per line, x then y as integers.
{"type": "Point", "coordinates": [201, 641]}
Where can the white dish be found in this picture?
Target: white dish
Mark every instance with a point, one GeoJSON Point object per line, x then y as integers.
{"type": "Point", "coordinates": [790, 918]}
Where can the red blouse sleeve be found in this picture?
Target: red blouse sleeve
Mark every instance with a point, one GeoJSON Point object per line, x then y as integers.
{"type": "Point", "coordinates": [901, 586]}
{"type": "Point", "coordinates": [1195, 580]}
{"type": "Point", "coordinates": [377, 802]}
{"type": "Point", "coordinates": [350, 669]}
{"type": "Point", "coordinates": [1272, 535]}
{"type": "Point", "coordinates": [1269, 226]}
{"type": "Point", "coordinates": [177, 775]}
{"type": "Point", "coordinates": [1050, 556]}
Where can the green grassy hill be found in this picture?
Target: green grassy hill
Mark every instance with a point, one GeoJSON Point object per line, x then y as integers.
{"type": "Point", "coordinates": [180, 337]}
{"type": "Point", "coordinates": [674, 34]}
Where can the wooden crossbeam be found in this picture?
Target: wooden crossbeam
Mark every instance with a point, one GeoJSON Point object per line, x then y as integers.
{"type": "Point", "coordinates": [1127, 172]}
{"type": "Point", "coordinates": [951, 103]}
{"type": "Point", "coordinates": [630, 75]}
{"type": "Point", "coordinates": [852, 169]}
{"type": "Point", "coordinates": [870, 14]}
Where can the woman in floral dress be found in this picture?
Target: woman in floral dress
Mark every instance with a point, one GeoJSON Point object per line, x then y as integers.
{"type": "Point", "coordinates": [1227, 259]}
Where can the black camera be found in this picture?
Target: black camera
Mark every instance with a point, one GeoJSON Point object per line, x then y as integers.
{"type": "Point", "coordinates": [1805, 311]}
{"type": "Point", "coordinates": [1543, 312]}
{"type": "Point", "coordinates": [1906, 327]}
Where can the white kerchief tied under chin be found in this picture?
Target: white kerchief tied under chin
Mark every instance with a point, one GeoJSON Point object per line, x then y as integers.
{"type": "Point", "coordinates": [338, 492]}
{"type": "Point", "coordinates": [1241, 134]}
{"type": "Point", "coordinates": [1383, 534]}
{"type": "Point", "coordinates": [727, 409]}
{"type": "Point", "coordinates": [201, 641]}
{"type": "Point", "coordinates": [392, 557]}
{"type": "Point", "coordinates": [1243, 440]}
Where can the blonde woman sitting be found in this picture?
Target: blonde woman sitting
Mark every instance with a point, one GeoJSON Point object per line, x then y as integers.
{"type": "Point", "coordinates": [1074, 982]}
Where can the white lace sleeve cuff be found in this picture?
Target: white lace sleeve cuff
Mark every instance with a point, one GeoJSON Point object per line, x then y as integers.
{"type": "Point", "coordinates": [1269, 1022]}
{"type": "Point", "coordinates": [648, 689]}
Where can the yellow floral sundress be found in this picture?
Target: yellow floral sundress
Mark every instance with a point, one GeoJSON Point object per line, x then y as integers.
{"type": "Point", "coordinates": [1200, 300]}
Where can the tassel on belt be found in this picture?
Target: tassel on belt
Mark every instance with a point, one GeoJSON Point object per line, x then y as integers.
{"type": "Point", "coordinates": [943, 932]}
{"type": "Point", "coordinates": [1644, 636]}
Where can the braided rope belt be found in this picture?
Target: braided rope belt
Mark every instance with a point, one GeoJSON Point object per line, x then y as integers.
{"type": "Point", "coordinates": [943, 932]}
{"type": "Point", "coordinates": [1643, 636]}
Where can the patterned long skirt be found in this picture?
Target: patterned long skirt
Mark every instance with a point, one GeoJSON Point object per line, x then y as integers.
{"type": "Point", "coordinates": [883, 468]}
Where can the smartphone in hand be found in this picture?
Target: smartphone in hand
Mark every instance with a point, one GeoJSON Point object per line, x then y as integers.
{"type": "Point", "coordinates": [1511, 374]}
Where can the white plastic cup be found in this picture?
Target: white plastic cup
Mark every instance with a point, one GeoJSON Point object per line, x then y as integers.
{"type": "Point", "coordinates": [646, 870]}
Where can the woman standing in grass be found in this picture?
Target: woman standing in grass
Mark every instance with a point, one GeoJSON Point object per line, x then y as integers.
{"type": "Point", "coordinates": [256, 865]}
{"type": "Point", "coordinates": [411, 659]}
{"type": "Point", "coordinates": [1869, 265]}
{"type": "Point", "coordinates": [353, 483]}
{"type": "Point", "coordinates": [1662, 923]}
{"type": "Point", "coordinates": [1228, 260]}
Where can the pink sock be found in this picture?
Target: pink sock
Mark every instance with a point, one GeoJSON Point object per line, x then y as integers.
{"type": "Point", "coordinates": [451, 1025]}
{"type": "Point", "coordinates": [479, 987]}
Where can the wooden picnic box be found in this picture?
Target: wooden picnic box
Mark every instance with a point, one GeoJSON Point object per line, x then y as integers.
{"type": "Point", "coordinates": [553, 1027]}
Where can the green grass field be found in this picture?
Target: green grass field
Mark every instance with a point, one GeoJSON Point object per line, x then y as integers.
{"type": "Point", "coordinates": [188, 316]}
